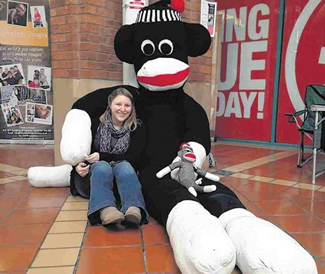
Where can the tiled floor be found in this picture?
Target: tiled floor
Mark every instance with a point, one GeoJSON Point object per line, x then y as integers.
{"type": "Point", "coordinates": [45, 230]}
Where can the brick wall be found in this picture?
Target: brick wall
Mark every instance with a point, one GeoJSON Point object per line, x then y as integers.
{"type": "Point", "coordinates": [82, 35]}
{"type": "Point", "coordinates": [200, 66]}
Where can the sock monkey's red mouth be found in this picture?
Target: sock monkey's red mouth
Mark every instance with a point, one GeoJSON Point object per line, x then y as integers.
{"type": "Point", "coordinates": [165, 79]}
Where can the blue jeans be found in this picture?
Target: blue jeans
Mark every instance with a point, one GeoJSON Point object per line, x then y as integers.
{"type": "Point", "coordinates": [102, 175]}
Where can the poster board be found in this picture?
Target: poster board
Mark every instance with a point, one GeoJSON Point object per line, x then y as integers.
{"type": "Point", "coordinates": [25, 73]}
{"type": "Point", "coordinates": [248, 63]}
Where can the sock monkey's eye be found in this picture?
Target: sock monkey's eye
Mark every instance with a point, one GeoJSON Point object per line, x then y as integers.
{"type": "Point", "coordinates": [166, 47]}
{"type": "Point", "coordinates": [148, 47]}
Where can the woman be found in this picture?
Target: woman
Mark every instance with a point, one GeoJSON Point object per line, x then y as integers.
{"type": "Point", "coordinates": [118, 141]}
{"type": "Point", "coordinates": [37, 18]}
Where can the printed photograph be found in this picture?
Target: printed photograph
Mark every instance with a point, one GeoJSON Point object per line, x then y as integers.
{"type": "Point", "coordinates": [6, 95]}
{"type": "Point", "coordinates": [39, 77]}
{"type": "Point", "coordinates": [22, 94]}
{"type": "Point", "coordinates": [16, 94]}
{"type": "Point", "coordinates": [37, 96]}
{"type": "Point", "coordinates": [38, 16]}
{"type": "Point", "coordinates": [12, 114]}
{"type": "Point", "coordinates": [39, 113]}
{"type": "Point", "coordinates": [30, 109]}
{"type": "Point", "coordinates": [30, 113]}
{"type": "Point", "coordinates": [17, 13]}
{"type": "Point", "coordinates": [11, 75]}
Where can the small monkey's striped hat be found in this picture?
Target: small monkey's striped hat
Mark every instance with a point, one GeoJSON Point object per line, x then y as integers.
{"type": "Point", "coordinates": [161, 12]}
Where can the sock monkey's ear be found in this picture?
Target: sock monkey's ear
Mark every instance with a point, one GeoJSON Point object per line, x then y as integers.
{"type": "Point", "coordinates": [123, 44]}
{"type": "Point", "coordinates": [198, 39]}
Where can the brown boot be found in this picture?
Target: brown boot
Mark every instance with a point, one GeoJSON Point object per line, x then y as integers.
{"type": "Point", "coordinates": [111, 215]}
{"type": "Point", "coordinates": [133, 215]}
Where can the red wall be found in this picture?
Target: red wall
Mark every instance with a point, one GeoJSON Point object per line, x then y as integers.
{"type": "Point", "coordinates": [247, 79]}
{"type": "Point", "coordinates": [302, 63]}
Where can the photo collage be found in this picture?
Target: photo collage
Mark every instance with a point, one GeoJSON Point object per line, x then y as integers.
{"type": "Point", "coordinates": [26, 93]}
{"type": "Point", "coordinates": [19, 91]}
{"type": "Point", "coordinates": [17, 14]}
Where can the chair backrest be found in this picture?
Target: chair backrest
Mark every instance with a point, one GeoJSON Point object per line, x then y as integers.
{"type": "Point", "coordinates": [315, 95]}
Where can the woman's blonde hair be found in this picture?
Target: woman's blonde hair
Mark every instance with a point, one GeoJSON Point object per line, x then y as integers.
{"type": "Point", "coordinates": [132, 122]}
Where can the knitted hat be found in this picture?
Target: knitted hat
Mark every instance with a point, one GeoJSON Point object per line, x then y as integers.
{"type": "Point", "coordinates": [161, 12]}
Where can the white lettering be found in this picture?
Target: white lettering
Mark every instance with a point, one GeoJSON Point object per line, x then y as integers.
{"type": "Point", "coordinates": [322, 56]}
{"type": "Point", "coordinates": [247, 65]}
{"type": "Point", "coordinates": [247, 102]}
{"type": "Point", "coordinates": [237, 24]}
{"type": "Point", "coordinates": [233, 105]}
{"type": "Point", "coordinates": [240, 102]}
{"type": "Point", "coordinates": [231, 68]}
{"type": "Point", "coordinates": [254, 24]}
{"type": "Point", "coordinates": [221, 104]}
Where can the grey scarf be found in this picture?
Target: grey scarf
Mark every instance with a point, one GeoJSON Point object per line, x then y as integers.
{"type": "Point", "coordinates": [107, 131]}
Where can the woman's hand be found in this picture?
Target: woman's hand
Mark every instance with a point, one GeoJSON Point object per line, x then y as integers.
{"type": "Point", "coordinates": [93, 158]}
{"type": "Point", "coordinates": [82, 169]}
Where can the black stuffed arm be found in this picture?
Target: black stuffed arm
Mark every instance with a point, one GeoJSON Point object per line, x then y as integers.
{"type": "Point", "coordinates": [197, 131]}
{"type": "Point", "coordinates": [197, 124]}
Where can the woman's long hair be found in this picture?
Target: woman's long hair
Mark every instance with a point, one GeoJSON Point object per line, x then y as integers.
{"type": "Point", "coordinates": [132, 122]}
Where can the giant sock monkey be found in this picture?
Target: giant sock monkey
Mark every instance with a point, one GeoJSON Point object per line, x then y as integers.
{"type": "Point", "coordinates": [209, 233]}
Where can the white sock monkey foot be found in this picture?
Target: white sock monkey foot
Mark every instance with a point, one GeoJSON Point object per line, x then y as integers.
{"type": "Point", "coordinates": [263, 248]}
{"type": "Point", "coordinates": [58, 176]}
{"type": "Point", "coordinates": [200, 243]}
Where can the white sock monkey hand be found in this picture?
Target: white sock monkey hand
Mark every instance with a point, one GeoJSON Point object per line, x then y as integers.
{"type": "Point", "coordinates": [163, 172]}
{"type": "Point", "coordinates": [200, 155]}
{"type": "Point", "coordinates": [76, 137]}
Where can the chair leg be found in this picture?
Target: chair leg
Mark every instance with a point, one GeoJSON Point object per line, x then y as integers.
{"type": "Point", "coordinates": [314, 166]}
{"type": "Point", "coordinates": [301, 157]}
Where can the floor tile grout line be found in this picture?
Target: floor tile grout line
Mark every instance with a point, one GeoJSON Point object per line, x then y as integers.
{"type": "Point", "coordinates": [290, 215]}
{"type": "Point", "coordinates": [270, 216]}
{"type": "Point", "coordinates": [144, 251]}
{"type": "Point", "coordinates": [260, 161]}
{"type": "Point", "coordinates": [39, 248]}
{"type": "Point", "coordinates": [15, 207]}
{"type": "Point", "coordinates": [247, 145]}
{"type": "Point", "coordinates": [80, 249]}
{"type": "Point", "coordinates": [110, 246]}
{"type": "Point", "coordinates": [272, 181]}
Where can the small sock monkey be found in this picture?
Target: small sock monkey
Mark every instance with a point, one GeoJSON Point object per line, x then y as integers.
{"type": "Point", "coordinates": [187, 170]}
